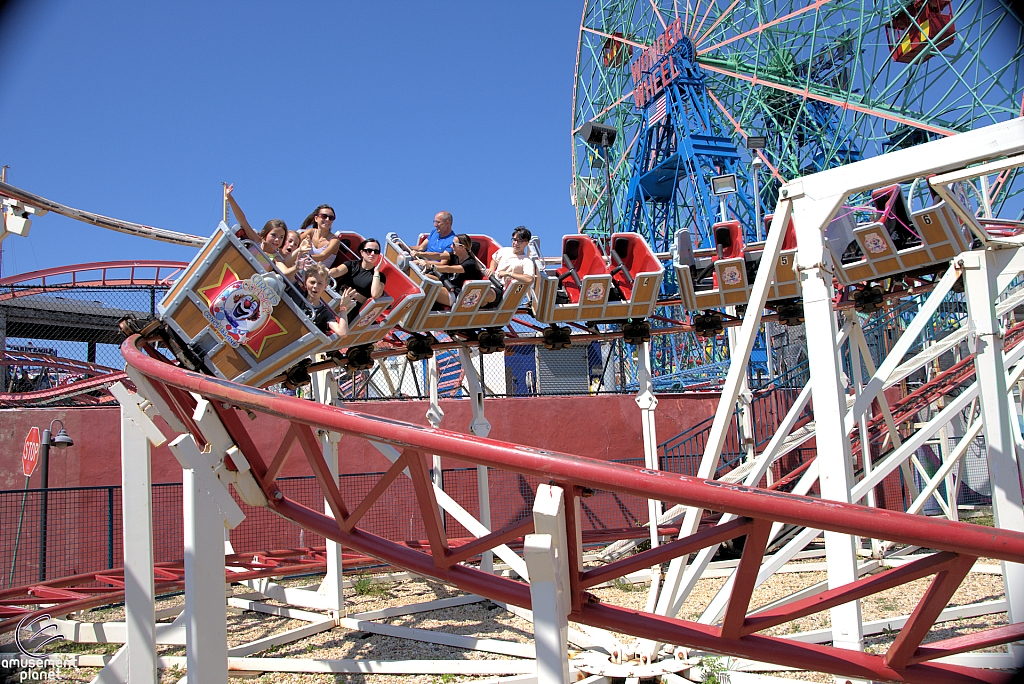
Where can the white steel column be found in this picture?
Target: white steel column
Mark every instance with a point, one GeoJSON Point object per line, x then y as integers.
{"type": "Point", "coordinates": [545, 554]}
{"type": "Point", "coordinates": [980, 271]}
{"type": "Point", "coordinates": [205, 610]}
{"type": "Point", "coordinates": [325, 391]}
{"type": "Point", "coordinates": [856, 354]}
{"type": "Point", "coordinates": [434, 415]}
{"type": "Point", "coordinates": [137, 519]}
{"type": "Point", "coordinates": [480, 427]}
{"type": "Point", "coordinates": [835, 474]}
{"type": "Point", "coordinates": [744, 400]}
{"type": "Point", "coordinates": [648, 403]}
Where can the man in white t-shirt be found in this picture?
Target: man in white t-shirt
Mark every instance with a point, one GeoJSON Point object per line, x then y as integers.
{"type": "Point", "coordinates": [511, 263]}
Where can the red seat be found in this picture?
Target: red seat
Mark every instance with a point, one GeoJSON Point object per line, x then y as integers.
{"type": "Point", "coordinates": [397, 285]}
{"type": "Point", "coordinates": [484, 248]}
{"type": "Point", "coordinates": [585, 257]}
{"type": "Point", "coordinates": [895, 215]}
{"type": "Point", "coordinates": [789, 241]}
{"type": "Point", "coordinates": [729, 237]}
{"type": "Point", "coordinates": [636, 257]}
{"type": "Point", "coordinates": [348, 250]}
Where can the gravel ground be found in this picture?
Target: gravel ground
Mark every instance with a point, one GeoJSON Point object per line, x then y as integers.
{"type": "Point", "coordinates": [486, 620]}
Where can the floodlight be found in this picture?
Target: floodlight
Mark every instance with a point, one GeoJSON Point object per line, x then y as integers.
{"type": "Point", "coordinates": [724, 185]}
{"type": "Point", "coordinates": [594, 133]}
{"type": "Point", "coordinates": [756, 142]}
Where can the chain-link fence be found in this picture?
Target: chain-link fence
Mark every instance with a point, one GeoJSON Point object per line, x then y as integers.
{"type": "Point", "coordinates": [61, 532]}
{"type": "Point", "coordinates": [57, 335]}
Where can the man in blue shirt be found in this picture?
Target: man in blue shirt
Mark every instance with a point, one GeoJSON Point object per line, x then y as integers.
{"type": "Point", "coordinates": [440, 239]}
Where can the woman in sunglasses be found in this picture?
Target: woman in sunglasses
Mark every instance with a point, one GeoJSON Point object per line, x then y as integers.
{"type": "Point", "coordinates": [362, 275]}
{"type": "Point", "coordinates": [316, 230]}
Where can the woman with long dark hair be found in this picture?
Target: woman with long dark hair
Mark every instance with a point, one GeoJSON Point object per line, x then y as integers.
{"type": "Point", "coordinates": [316, 230]}
{"type": "Point", "coordinates": [362, 275]}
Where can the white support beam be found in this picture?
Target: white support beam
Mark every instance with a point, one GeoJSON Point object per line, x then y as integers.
{"type": "Point", "coordinates": [508, 648]}
{"type": "Point", "coordinates": [325, 391]}
{"type": "Point", "coordinates": [546, 557]}
{"type": "Point", "coordinates": [647, 401]}
{"type": "Point", "coordinates": [205, 610]}
{"type": "Point", "coordinates": [835, 473]}
{"type": "Point", "coordinates": [480, 427]}
{"type": "Point", "coordinates": [137, 432]}
{"type": "Point", "coordinates": [980, 274]}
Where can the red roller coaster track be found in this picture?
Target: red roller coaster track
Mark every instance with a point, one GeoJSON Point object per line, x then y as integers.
{"type": "Point", "coordinates": [958, 545]}
{"type": "Point", "coordinates": [102, 274]}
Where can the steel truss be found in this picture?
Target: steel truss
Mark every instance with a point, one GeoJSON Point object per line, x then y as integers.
{"type": "Point", "coordinates": [753, 513]}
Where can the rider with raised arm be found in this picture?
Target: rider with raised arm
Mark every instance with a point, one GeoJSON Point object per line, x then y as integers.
{"type": "Point", "coordinates": [269, 240]}
{"type": "Point", "coordinates": [316, 233]}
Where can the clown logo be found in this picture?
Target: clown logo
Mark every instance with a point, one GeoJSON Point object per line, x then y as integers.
{"type": "Point", "coordinates": [367, 319]}
{"type": "Point", "coordinates": [731, 276]}
{"type": "Point", "coordinates": [874, 243]}
{"type": "Point", "coordinates": [470, 300]}
{"type": "Point", "coordinates": [239, 311]}
{"type": "Point", "coordinates": [595, 292]}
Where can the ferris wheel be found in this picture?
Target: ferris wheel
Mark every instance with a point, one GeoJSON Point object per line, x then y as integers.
{"type": "Point", "coordinates": [811, 84]}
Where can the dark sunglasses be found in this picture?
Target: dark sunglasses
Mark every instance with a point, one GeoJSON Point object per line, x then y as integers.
{"type": "Point", "coordinates": [368, 250]}
{"type": "Point", "coordinates": [326, 217]}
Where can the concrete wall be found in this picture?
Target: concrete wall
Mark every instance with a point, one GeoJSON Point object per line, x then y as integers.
{"type": "Point", "coordinates": [603, 427]}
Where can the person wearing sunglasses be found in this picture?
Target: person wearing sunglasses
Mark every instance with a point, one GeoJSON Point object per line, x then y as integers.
{"type": "Point", "coordinates": [511, 263]}
{"type": "Point", "coordinates": [316, 230]}
{"type": "Point", "coordinates": [438, 241]}
{"type": "Point", "coordinates": [456, 267]}
{"type": "Point", "coordinates": [362, 275]}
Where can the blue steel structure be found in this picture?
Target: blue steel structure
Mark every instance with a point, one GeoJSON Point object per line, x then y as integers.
{"type": "Point", "coordinates": [681, 146]}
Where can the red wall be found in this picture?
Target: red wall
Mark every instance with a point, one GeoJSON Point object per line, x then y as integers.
{"type": "Point", "coordinates": [605, 427]}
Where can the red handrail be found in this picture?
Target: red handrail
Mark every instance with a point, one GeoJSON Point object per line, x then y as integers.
{"type": "Point", "coordinates": [171, 269]}
{"type": "Point", "coordinates": [961, 542]}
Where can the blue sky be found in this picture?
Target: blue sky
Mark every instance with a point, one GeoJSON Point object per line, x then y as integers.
{"type": "Point", "coordinates": [387, 111]}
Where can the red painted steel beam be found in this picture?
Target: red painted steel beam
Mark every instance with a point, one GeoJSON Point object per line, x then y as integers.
{"type": "Point", "coordinates": [714, 495]}
{"type": "Point", "coordinates": [666, 552]}
{"type": "Point", "coordinates": [777, 650]}
{"type": "Point", "coordinates": [941, 589]}
{"type": "Point", "coordinates": [745, 579]}
{"type": "Point", "coordinates": [857, 589]}
{"type": "Point", "coordinates": [996, 636]}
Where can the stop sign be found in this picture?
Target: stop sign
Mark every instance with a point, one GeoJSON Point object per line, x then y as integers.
{"type": "Point", "coordinates": [30, 452]}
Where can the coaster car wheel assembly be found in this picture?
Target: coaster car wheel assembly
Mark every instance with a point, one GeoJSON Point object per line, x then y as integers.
{"type": "Point", "coordinates": [791, 313]}
{"type": "Point", "coordinates": [557, 337]}
{"type": "Point", "coordinates": [360, 357]}
{"type": "Point", "coordinates": [636, 332]}
{"type": "Point", "coordinates": [491, 340]}
{"type": "Point", "coordinates": [868, 299]}
{"type": "Point", "coordinates": [297, 375]}
{"type": "Point", "coordinates": [707, 324]}
{"type": "Point", "coordinates": [149, 327]}
{"type": "Point", "coordinates": [418, 347]}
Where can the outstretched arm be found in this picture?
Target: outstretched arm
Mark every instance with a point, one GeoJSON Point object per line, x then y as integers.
{"type": "Point", "coordinates": [339, 326]}
{"type": "Point", "coordinates": [237, 210]}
